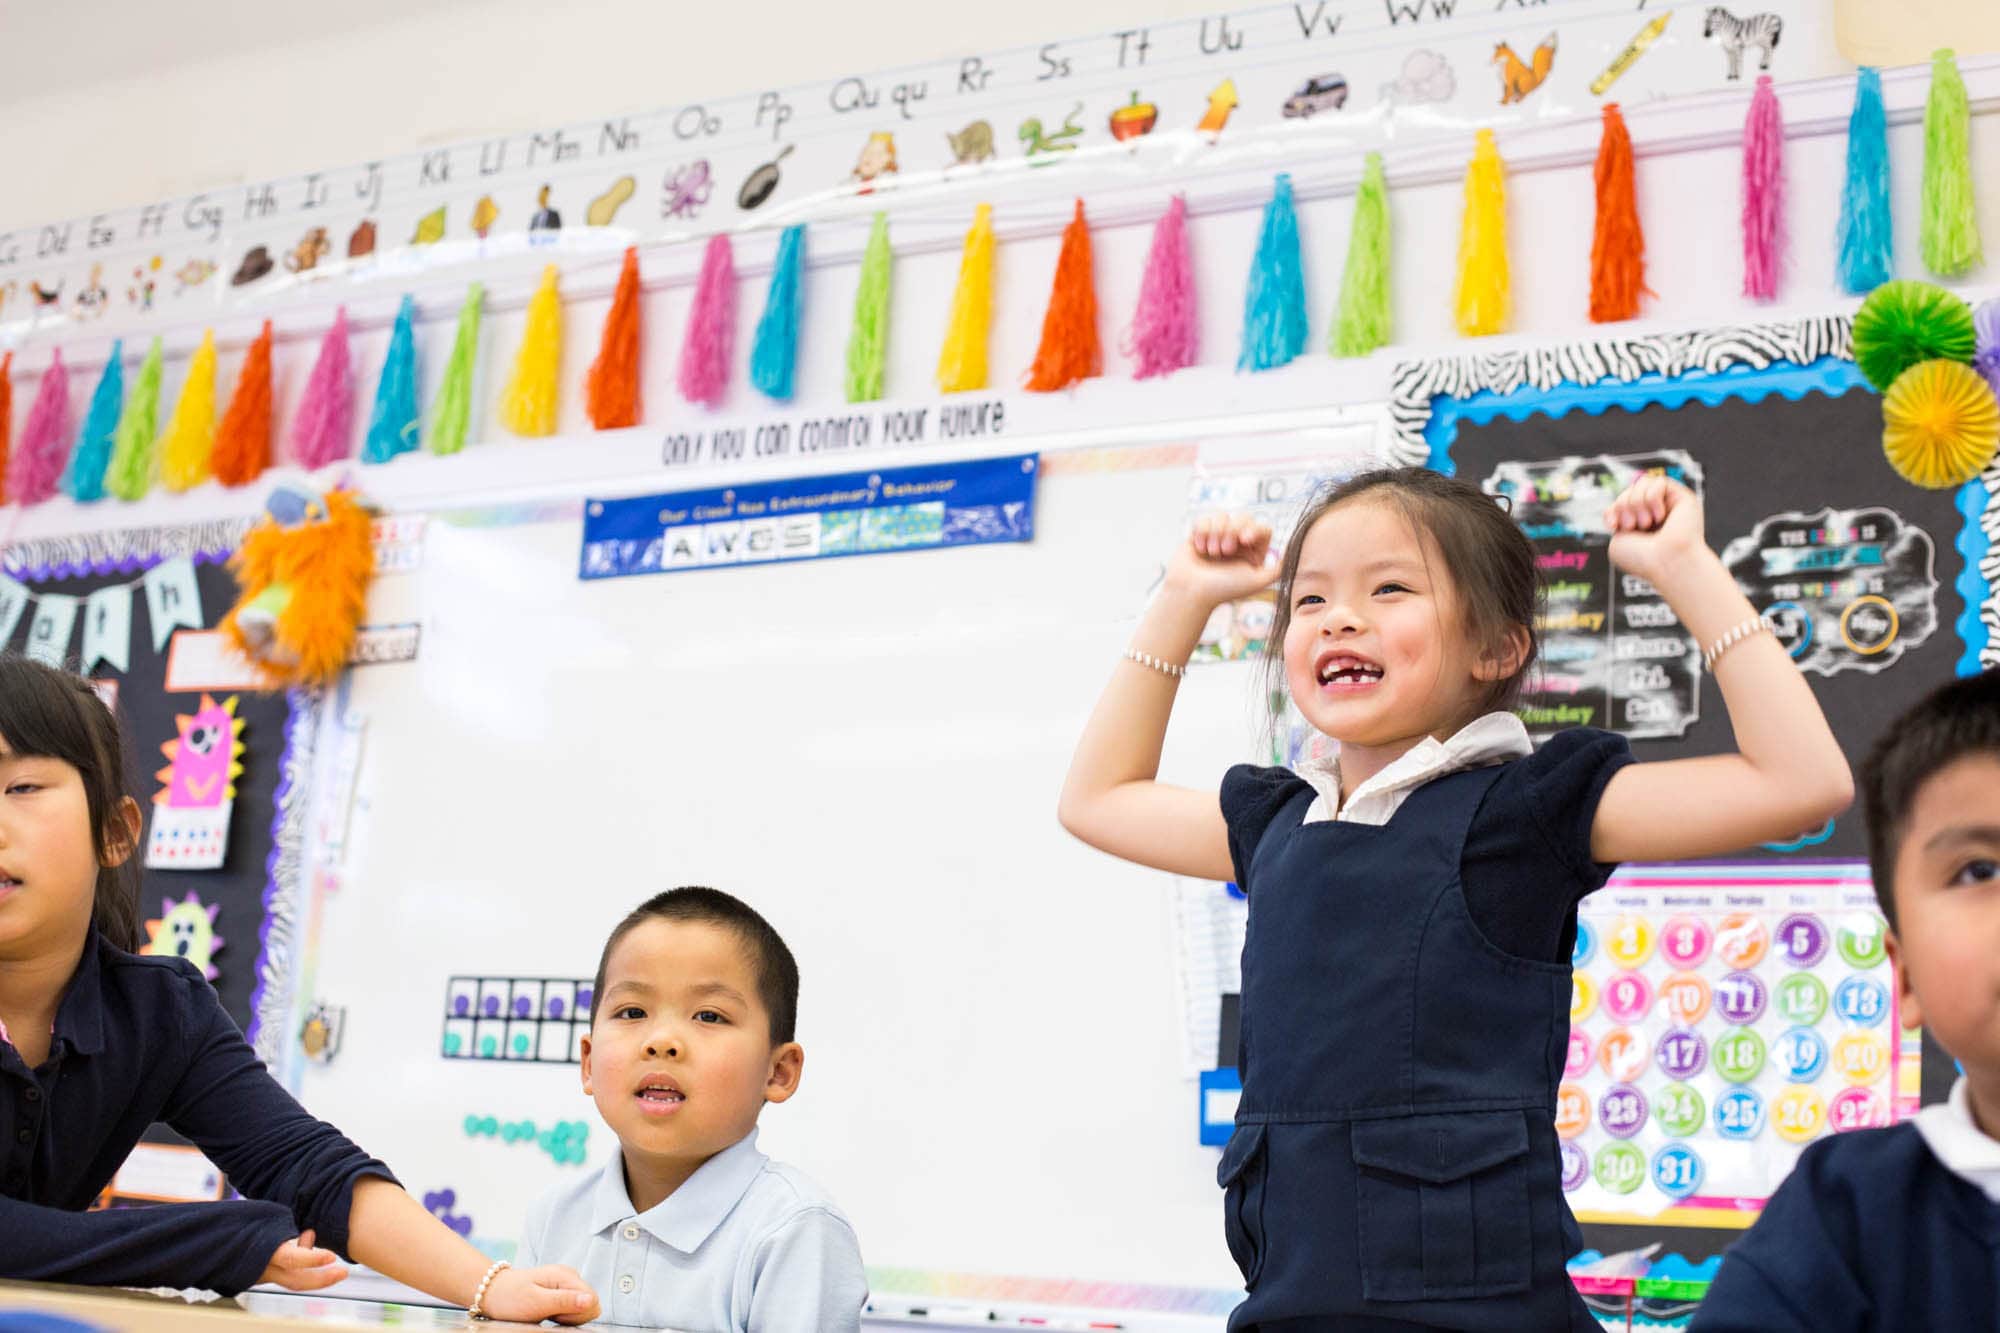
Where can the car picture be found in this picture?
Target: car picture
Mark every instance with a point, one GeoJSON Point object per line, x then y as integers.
{"type": "Point", "coordinates": [1328, 92]}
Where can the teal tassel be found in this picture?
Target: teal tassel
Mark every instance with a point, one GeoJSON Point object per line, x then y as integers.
{"type": "Point", "coordinates": [1274, 306]}
{"type": "Point", "coordinates": [83, 480]}
{"type": "Point", "coordinates": [393, 428]}
{"type": "Point", "coordinates": [774, 355]}
{"type": "Point", "coordinates": [1865, 236]}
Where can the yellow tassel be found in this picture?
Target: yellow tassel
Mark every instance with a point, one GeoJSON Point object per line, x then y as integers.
{"type": "Point", "coordinates": [528, 407]}
{"type": "Point", "coordinates": [1482, 243]}
{"type": "Point", "coordinates": [962, 360]}
{"type": "Point", "coordinates": [188, 447]}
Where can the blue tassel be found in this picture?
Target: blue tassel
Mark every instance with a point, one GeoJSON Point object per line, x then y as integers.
{"type": "Point", "coordinates": [1867, 257]}
{"type": "Point", "coordinates": [774, 355]}
{"type": "Point", "coordinates": [83, 479]}
{"type": "Point", "coordinates": [1274, 307]}
{"type": "Point", "coordinates": [393, 429]}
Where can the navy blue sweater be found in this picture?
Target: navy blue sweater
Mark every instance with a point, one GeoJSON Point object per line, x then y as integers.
{"type": "Point", "coordinates": [1870, 1231]}
{"type": "Point", "coordinates": [139, 1040]}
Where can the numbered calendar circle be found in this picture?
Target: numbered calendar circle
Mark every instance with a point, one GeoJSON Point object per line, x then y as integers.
{"type": "Point", "coordinates": [1630, 942]}
{"type": "Point", "coordinates": [1742, 940]}
{"type": "Point", "coordinates": [1800, 1114]}
{"type": "Point", "coordinates": [1802, 999]}
{"type": "Point", "coordinates": [1859, 940]}
{"type": "Point", "coordinates": [1739, 1114]}
{"type": "Point", "coordinates": [1685, 941]}
{"type": "Point", "coordinates": [1677, 1171]}
{"type": "Point", "coordinates": [1622, 1111]}
{"type": "Point", "coordinates": [1739, 1055]}
{"type": "Point", "coordinates": [1687, 998]}
{"type": "Point", "coordinates": [1857, 1108]}
{"type": "Point", "coordinates": [1801, 1054]}
{"type": "Point", "coordinates": [1861, 1057]}
{"type": "Point", "coordinates": [1680, 1110]}
{"type": "Point", "coordinates": [1802, 939]}
{"type": "Point", "coordinates": [1683, 1053]}
{"type": "Point", "coordinates": [1578, 1063]}
{"type": "Point", "coordinates": [1582, 997]}
{"type": "Point", "coordinates": [1575, 1167]}
{"type": "Point", "coordinates": [1586, 945]}
{"type": "Point", "coordinates": [1572, 1110]}
{"type": "Point", "coordinates": [1741, 997]}
{"type": "Point", "coordinates": [1622, 1054]}
{"type": "Point", "coordinates": [1620, 1168]}
{"type": "Point", "coordinates": [1863, 1001]}
{"type": "Point", "coordinates": [1628, 996]}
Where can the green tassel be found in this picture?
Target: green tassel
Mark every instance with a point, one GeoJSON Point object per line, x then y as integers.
{"type": "Point", "coordinates": [135, 460]}
{"type": "Point", "coordinates": [1363, 322]}
{"type": "Point", "coordinates": [868, 343]}
{"type": "Point", "coordinates": [1950, 232]}
{"type": "Point", "coordinates": [452, 412]}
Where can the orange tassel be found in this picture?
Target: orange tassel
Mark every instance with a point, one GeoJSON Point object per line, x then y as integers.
{"type": "Point", "coordinates": [243, 440]}
{"type": "Point", "coordinates": [1618, 249]}
{"type": "Point", "coordinates": [613, 387]}
{"type": "Point", "coordinates": [6, 417]}
{"type": "Point", "coordinates": [1069, 350]}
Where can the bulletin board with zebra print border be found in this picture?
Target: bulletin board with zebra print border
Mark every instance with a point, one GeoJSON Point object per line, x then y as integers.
{"type": "Point", "coordinates": [258, 887]}
{"type": "Point", "coordinates": [1464, 413]}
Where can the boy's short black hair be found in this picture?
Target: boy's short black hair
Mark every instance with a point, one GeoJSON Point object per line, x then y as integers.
{"type": "Point", "coordinates": [777, 972]}
{"type": "Point", "coordinates": [1953, 721]}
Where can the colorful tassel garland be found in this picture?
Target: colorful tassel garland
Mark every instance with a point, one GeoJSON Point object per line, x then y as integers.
{"type": "Point", "coordinates": [962, 360]}
{"type": "Point", "coordinates": [1763, 193]}
{"type": "Point", "coordinates": [1618, 246]}
{"type": "Point", "coordinates": [83, 479]}
{"type": "Point", "coordinates": [1274, 301]}
{"type": "Point", "coordinates": [711, 327]}
{"type": "Point", "coordinates": [243, 440]}
{"type": "Point", "coordinates": [1865, 235]}
{"type": "Point", "coordinates": [1164, 335]}
{"type": "Point", "coordinates": [775, 351]}
{"type": "Point", "coordinates": [1481, 302]}
{"type": "Point", "coordinates": [868, 340]}
{"type": "Point", "coordinates": [1069, 349]}
{"type": "Point", "coordinates": [1950, 232]}
{"type": "Point", "coordinates": [6, 417]}
{"type": "Point", "coordinates": [323, 431]}
{"type": "Point", "coordinates": [611, 390]}
{"type": "Point", "coordinates": [528, 406]}
{"type": "Point", "coordinates": [187, 449]}
{"type": "Point", "coordinates": [392, 426]}
{"type": "Point", "coordinates": [135, 457]}
{"type": "Point", "coordinates": [38, 459]}
{"type": "Point", "coordinates": [451, 415]}
{"type": "Point", "coordinates": [1363, 322]}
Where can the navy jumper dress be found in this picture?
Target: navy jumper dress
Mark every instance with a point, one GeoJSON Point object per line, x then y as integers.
{"type": "Point", "coordinates": [1395, 1156]}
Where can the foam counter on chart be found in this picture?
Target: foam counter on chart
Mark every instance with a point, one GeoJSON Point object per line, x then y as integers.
{"type": "Point", "coordinates": [543, 1019]}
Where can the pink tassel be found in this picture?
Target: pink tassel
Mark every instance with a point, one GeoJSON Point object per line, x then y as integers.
{"type": "Point", "coordinates": [37, 462]}
{"type": "Point", "coordinates": [1763, 193]}
{"type": "Point", "coordinates": [1164, 337]}
{"type": "Point", "coordinates": [323, 432]}
{"type": "Point", "coordinates": [711, 327]}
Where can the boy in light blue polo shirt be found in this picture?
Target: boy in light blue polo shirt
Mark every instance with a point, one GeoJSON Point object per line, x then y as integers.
{"type": "Point", "coordinates": [689, 1226]}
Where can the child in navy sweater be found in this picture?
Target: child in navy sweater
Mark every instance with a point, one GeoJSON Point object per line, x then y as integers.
{"type": "Point", "coordinates": [1899, 1228]}
{"type": "Point", "coordinates": [97, 1044]}
{"type": "Point", "coordinates": [1406, 967]}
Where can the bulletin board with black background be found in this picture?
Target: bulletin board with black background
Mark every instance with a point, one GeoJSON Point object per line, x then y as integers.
{"type": "Point", "coordinates": [1725, 1014]}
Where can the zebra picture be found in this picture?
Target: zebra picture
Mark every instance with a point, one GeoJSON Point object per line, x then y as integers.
{"type": "Point", "coordinates": [1759, 30]}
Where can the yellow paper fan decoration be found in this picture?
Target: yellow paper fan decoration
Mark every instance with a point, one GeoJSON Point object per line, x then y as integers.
{"type": "Point", "coordinates": [1940, 424]}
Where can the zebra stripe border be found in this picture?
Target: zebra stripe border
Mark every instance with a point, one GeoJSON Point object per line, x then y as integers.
{"type": "Point", "coordinates": [1417, 385]}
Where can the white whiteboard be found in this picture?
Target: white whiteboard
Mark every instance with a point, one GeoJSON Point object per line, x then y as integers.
{"type": "Point", "coordinates": [867, 750]}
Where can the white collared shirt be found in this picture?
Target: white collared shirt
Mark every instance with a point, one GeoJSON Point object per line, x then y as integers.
{"type": "Point", "coordinates": [1958, 1143]}
{"type": "Point", "coordinates": [1491, 739]}
{"type": "Point", "coordinates": [745, 1245]}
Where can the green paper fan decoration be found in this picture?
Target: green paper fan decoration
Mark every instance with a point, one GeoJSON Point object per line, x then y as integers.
{"type": "Point", "coordinates": [1905, 322]}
